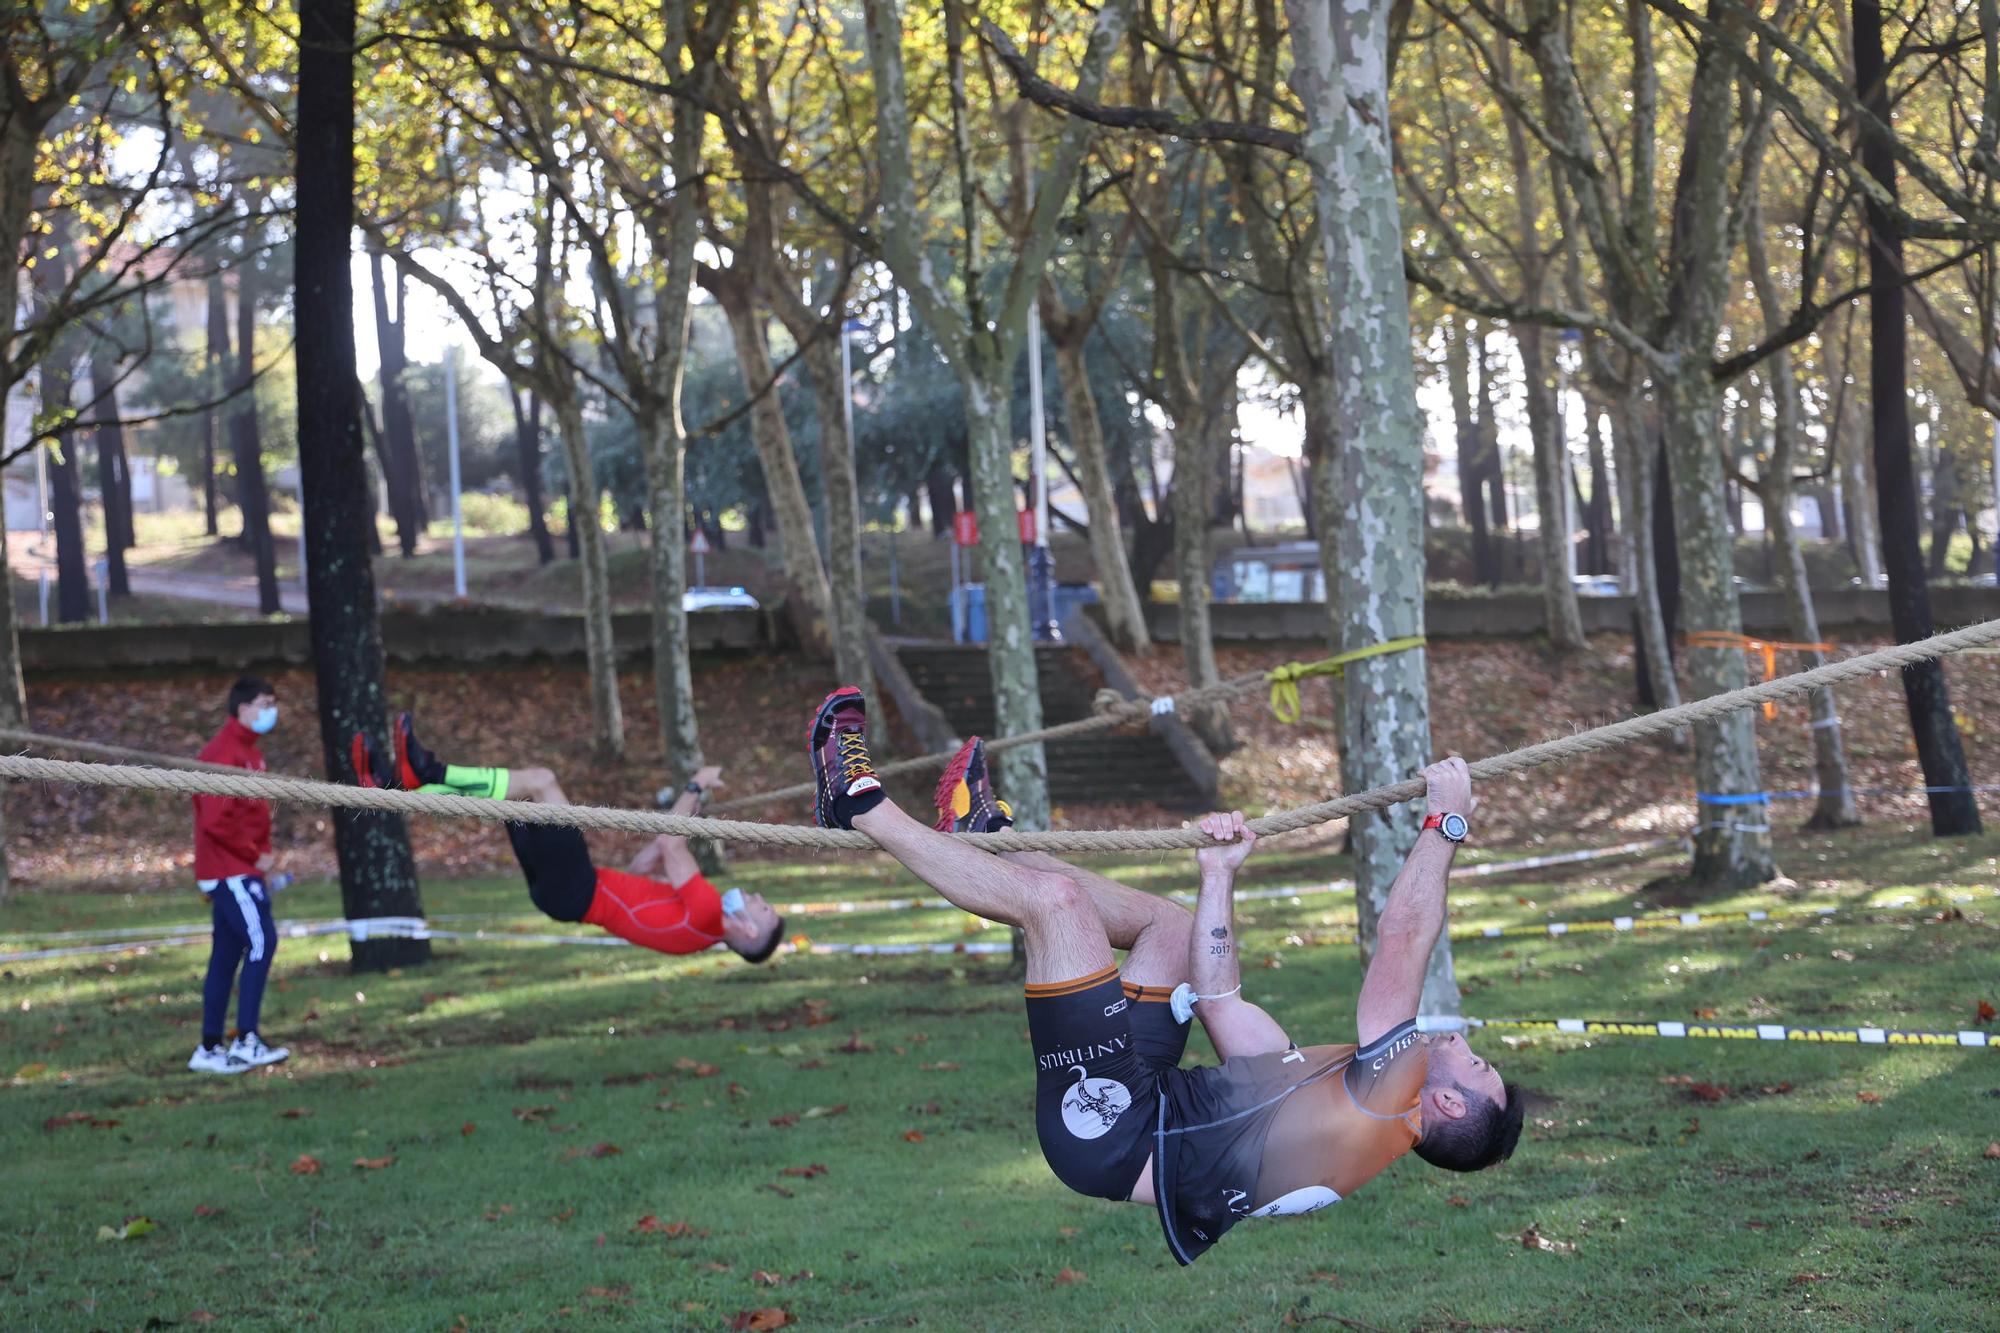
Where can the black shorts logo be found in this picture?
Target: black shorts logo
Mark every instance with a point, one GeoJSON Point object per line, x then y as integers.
{"type": "Point", "coordinates": [1092, 1105]}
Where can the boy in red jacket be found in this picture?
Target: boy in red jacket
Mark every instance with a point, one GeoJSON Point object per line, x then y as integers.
{"type": "Point", "coordinates": [232, 852]}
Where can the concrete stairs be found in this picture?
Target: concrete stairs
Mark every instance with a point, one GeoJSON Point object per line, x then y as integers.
{"type": "Point", "coordinates": [1117, 766]}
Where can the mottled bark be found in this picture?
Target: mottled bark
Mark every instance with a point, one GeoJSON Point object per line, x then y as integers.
{"type": "Point", "coordinates": [1939, 749]}
{"type": "Point", "coordinates": [1638, 463]}
{"type": "Point", "coordinates": [1341, 73]}
{"type": "Point", "coordinates": [1732, 843]}
{"type": "Point", "coordinates": [377, 874]}
{"type": "Point", "coordinates": [607, 716]}
{"type": "Point", "coordinates": [1123, 615]}
{"type": "Point", "coordinates": [397, 444]}
{"type": "Point", "coordinates": [1471, 466]}
{"type": "Point", "coordinates": [1560, 614]}
{"type": "Point", "coordinates": [792, 512]}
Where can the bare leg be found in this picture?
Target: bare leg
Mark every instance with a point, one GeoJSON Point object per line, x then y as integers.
{"type": "Point", "coordinates": [534, 784]}
{"type": "Point", "coordinates": [1065, 936]}
{"type": "Point", "coordinates": [1154, 929]}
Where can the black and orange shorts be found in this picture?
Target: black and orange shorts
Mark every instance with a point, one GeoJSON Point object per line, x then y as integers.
{"type": "Point", "coordinates": [1101, 1047]}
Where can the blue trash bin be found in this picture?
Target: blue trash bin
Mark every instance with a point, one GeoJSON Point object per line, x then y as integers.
{"type": "Point", "coordinates": [968, 613]}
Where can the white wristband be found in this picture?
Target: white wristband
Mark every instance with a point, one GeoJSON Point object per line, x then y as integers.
{"type": "Point", "coordinates": [1183, 1000]}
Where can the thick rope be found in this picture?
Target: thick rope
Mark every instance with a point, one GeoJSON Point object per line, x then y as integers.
{"type": "Point", "coordinates": [301, 792]}
{"type": "Point", "coordinates": [103, 751]}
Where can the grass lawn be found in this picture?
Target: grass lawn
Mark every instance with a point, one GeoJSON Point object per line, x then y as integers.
{"type": "Point", "coordinates": [849, 1140]}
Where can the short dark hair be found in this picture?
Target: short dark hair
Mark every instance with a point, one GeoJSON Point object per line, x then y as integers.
{"type": "Point", "coordinates": [1484, 1136]}
{"type": "Point", "coordinates": [246, 689]}
{"type": "Point", "coordinates": [770, 944]}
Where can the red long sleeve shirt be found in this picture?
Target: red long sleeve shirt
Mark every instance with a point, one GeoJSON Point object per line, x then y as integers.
{"type": "Point", "coordinates": [656, 915]}
{"type": "Point", "coordinates": [231, 832]}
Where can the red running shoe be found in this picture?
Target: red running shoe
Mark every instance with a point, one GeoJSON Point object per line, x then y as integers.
{"type": "Point", "coordinates": [842, 771]}
{"type": "Point", "coordinates": [369, 770]}
{"type": "Point", "coordinates": [417, 766]}
{"type": "Point", "coordinates": [965, 799]}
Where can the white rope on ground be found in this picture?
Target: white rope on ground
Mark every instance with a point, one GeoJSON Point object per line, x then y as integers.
{"type": "Point", "coordinates": [300, 792]}
{"type": "Point", "coordinates": [1717, 1031]}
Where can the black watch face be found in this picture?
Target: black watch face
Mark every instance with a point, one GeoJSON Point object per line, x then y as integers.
{"type": "Point", "coordinates": [1453, 827]}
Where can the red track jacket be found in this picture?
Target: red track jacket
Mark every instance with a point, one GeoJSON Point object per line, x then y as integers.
{"type": "Point", "coordinates": [231, 832]}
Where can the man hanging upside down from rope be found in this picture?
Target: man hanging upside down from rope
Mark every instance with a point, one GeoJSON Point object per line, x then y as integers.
{"type": "Point", "coordinates": [659, 902]}
{"type": "Point", "coordinates": [1275, 1129]}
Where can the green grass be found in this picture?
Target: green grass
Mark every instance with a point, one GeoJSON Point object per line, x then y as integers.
{"type": "Point", "coordinates": [490, 1073]}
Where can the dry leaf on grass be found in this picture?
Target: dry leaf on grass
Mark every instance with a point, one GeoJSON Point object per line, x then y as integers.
{"type": "Point", "coordinates": [1067, 1276]}
{"type": "Point", "coordinates": [295, 1113]}
{"type": "Point", "coordinates": [306, 1165]}
{"type": "Point", "coordinates": [203, 1210]}
{"type": "Point", "coordinates": [819, 1112]}
{"type": "Point", "coordinates": [758, 1320]}
{"type": "Point", "coordinates": [1869, 1097]}
{"type": "Point", "coordinates": [1986, 1011]}
{"type": "Point", "coordinates": [1533, 1239]}
{"type": "Point", "coordinates": [913, 1136]}
{"type": "Point", "coordinates": [1993, 1151]}
{"type": "Point", "coordinates": [805, 1172]}
{"type": "Point", "coordinates": [783, 1121]}
{"type": "Point", "coordinates": [131, 1229]}
{"type": "Point", "coordinates": [942, 1066]}
{"type": "Point", "coordinates": [1706, 1092]}
{"type": "Point", "coordinates": [374, 1163]}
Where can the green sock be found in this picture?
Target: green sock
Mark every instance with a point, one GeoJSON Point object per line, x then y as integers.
{"type": "Point", "coordinates": [485, 783]}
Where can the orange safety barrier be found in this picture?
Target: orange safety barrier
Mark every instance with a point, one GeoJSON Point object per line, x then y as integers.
{"type": "Point", "coordinates": [1767, 648]}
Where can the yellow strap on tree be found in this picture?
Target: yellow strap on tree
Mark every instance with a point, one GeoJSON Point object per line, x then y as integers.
{"type": "Point", "coordinates": [1285, 679]}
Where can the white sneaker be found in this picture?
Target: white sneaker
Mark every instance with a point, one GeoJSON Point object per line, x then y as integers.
{"type": "Point", "coordinates": [216, 1060]}
{"type": "Point", "coordinates": [251, 1050]}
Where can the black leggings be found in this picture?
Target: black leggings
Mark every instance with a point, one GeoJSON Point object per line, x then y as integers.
{"type": "Point", "coordinates": [561, 877]}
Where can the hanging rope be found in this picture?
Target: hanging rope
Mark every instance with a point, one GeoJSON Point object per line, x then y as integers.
{"type": "Point", "coordinates": [301, 792]}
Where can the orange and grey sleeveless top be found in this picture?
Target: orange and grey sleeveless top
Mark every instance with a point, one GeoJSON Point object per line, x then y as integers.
{"type": "Point", "coordinates": [1280, 1134]}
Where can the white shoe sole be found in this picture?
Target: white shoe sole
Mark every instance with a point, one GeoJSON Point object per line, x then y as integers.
{"type": "Point", "coordinates": [211, 1069]}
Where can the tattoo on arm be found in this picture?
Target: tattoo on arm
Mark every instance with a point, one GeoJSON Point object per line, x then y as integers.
{"type": "Point", "coordinates": [1221, 935]}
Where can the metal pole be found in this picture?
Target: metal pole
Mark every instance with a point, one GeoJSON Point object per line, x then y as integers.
{"type": "Point", "coordinates": [42, 501]}
{"type": "Point", "coordinates": [103, 571]}
{"type": "Point", "coordinates": [451, 444]}
{"type": "Point", "coordinates": [895, 578]}
{"type": "Point", "coordinates": [957, 634]}
{"type": "Point", "coordinates": [1570, 338]}
{"type": "Point", "coordinates": [45, 596]}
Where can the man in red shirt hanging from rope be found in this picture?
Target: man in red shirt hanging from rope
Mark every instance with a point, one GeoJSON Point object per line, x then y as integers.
{"type": "Point", "coordinates": [661, 901]}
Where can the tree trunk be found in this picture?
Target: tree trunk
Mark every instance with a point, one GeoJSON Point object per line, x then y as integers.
{"type": "Point", "coordinates": [1638, 460]}
{"type": "Point", "coordinates": [1193, 439]}
{"type": "Point", "coordinates": [607, 718]}
{"type": "Point", "coordinates": [114, 472]}
{"type": "Point", "coordinates": [528, 462]}
{"type": "Point", "coordinates": [842, 494]}
{"type": "Point", "coordinates": [217, 368]}
{"type": "Point", "coordinates": [377, 874]}
{"type": "Point", "coordinates": [1953, 809]}
{"type": "Point", "coordinates": [1596, 510]}
{"type": "Point", "coordinates": [943, 503]}
{"type": "Point", "coordinates": [1947, 510]}
{"type": "Point", "coordinates": [1487, 393]}
{"type": "Point", "coordinates": [1560, 613]}
{"type": "Point", "coordinates": [247, 450]}
{"type": "Point", "coordinates": [1123, 615]}
{"type": "Point", "coordinates": [398, 442]}
{"type": "Point", "coordinates": [1732, 843]}
{"type": "Point", "coordinates": [65, 487]}
{"type": "Point", "coordinates": [573, 508]}
{"type": "Point", "coordinates": [1341, 72]}
{"type": "Point", "coordinates": [789, 507]}
{"type": "Point", "coordinates": [1471, 465]}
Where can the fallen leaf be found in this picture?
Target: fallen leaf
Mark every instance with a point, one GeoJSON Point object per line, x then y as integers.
{"type": "Point", "coordinates": [132, 1229]}
{"type": "Point", "coordinates": [1324, 1275]}
{"type": "Point", "coordinates": [35, 1070]}
{"type": "Point", "coordinates": [818, 1112]}
{"type": "Point", "coordinates": [784, 1121]}
{"type": "Point", "coordinates": [602, 1150]}
{"type": "Point", "coordinates": [1706, 1092]}
{"type": "Point", "coordinates": [1870, 1097]}
{"type": "Point", "coordinates": [1533, 1239]}
{"type": "Point", "coordinates": [700, 1069]}
{"type": "Point", "coordinates": [804, 1172]}
{"type": "Point", "coordinates": [1067, 1276]}
{"type": "Point", "coordinates": [203, 1210]}
{"type": "Point", "coordinates": [1705, 1014]}
{"type": "Point", "coordinates": [504, 1210]}
{"type": "Point", "coordinates": [942, 1066]}
{"type": "Point", "coordinates": [1070, 1231]}
{"type": "Point", "coordinates": [306, 1165]}
{"type": "Point", "coordinates": [466, 1130]}
{"type": "Point", "coordinates": [563, 1216]}
{"type": "Point", "coordinates": [295, 1113]}
{"type": "Point", "coordinates": [1844, 955]}
{"type": "Point", "coordinates": [200, 1317]}
{"type": "Point", "coordinates": [1993, 1151]}
{"type": "Point", "coordinates": [1801, 1279]}
{"type": "Point", "coordinates": [1987, 1011]}
{"type": "Point", "coordinates": [1456, 1201]}
{"type": "Point", "coordinates": [374, 1163]}
{"type": "Point", "coordinates": [621, 1293]}
{"type": "Point", "coordinates": [737, 1090]}
{"type": "Point", "coordinates": [758, 1320]}
{"type": "Point", "coordinates": [913, 1136]}
{"type": "Point", "coordinates": [854, 1045]}
{"type": "Point", "coordinates": [764, 1278]}
{"type": "Point", "coordinates": [652, 1224]}
{"type": "Point", "coordinates": [529, 1114]}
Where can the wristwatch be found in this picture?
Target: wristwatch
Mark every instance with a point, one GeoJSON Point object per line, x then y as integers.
{"type": "Point", "coordinates": [1453, 827]}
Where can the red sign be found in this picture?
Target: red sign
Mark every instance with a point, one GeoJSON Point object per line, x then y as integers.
{"type": "Point", "coordinates": [1025, 520]}
{"type": "Point", "coordinates": [699, 542]}
{"type": "Point", "coordinates": [965, 528]}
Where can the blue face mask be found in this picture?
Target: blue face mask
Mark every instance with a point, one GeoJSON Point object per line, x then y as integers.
{"type": "Point", "coordinates": [732, 902]}
{"type": "Point", "coordinates": [265, 719]}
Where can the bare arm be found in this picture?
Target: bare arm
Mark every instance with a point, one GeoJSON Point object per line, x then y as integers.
{"type": "Point", "coordinates": [1234, 1025]}
{"type": "Point", "coordinates": [1414, 914]}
